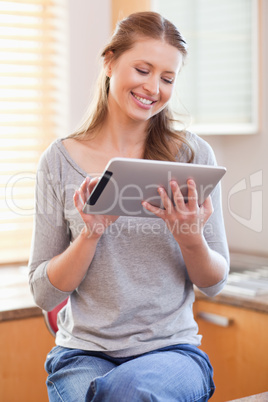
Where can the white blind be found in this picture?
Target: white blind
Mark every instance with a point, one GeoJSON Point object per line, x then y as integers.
{"type": "Point", "coordinates": [219, 83]}
{"type": "Point", "coordinates": [33, 109]}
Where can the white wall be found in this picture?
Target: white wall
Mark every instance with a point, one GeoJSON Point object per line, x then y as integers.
{"type": "Point", "coordinates": [89, 29]}
{"type": "Point", "coordinates": [247, 230]}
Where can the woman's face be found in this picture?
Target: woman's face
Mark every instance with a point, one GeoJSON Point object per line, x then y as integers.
{"type": "Point", "coordinates": [142, 79]}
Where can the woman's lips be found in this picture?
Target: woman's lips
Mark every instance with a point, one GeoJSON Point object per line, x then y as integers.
{"type": "Point", "coordinates": [142, 100]}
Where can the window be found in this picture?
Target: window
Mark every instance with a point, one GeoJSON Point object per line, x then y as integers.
{"type": "Point", "coordinates": [218, 86]}
{"type": "Point", "coordinates": [33, 109]}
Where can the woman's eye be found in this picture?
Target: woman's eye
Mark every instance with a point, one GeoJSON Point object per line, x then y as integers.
{"type": "Point", "coordinates": [168, 80]}
{"type": "Point", "coordinates": [141, 71]}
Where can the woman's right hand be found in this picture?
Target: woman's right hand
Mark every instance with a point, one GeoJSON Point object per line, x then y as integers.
{"type": "Point", "coordinates": [95, 225]}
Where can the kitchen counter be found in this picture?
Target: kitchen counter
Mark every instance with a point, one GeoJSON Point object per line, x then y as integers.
{"type": "Point", "coordinates": [16, 300]}
{"type": "Point", "coordinates": [253, 398]}
{"type": "Point", "coordinates": [257, 303]}
{"type": "Point", "coordinates": [247, 284]}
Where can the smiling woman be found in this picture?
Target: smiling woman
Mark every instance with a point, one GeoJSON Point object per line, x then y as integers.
{"type": "Point", "coordinates": [33, 110]}
{"type": "Point", "coordinates": [151, 73]}
{"type": "Point", "coordinates": [128, 325]}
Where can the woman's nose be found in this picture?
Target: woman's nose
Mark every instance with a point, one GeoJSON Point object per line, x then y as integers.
{"type": "Point", "coordinates": [152, 85]}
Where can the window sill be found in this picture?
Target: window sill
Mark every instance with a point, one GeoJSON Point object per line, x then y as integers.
{"type": "Point", "coordinates": [16, 301]}
{"type": "Point", "coordinates": [225, 129]}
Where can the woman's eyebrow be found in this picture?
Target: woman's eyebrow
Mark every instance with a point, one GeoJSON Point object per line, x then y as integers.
{"type": "Point", "coordinates": [151, 65]}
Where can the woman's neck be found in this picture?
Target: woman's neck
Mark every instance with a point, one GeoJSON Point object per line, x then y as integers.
{"type": "Point", "coordinates": [123, 138]}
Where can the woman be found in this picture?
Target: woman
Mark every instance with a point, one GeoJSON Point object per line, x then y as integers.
{"type": "Point", "coordinates": [127, 332]}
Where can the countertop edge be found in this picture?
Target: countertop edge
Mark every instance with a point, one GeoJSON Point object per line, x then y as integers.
{"type": "Point", "coordinates": [20, 313]}
{"type": "Point", "coordinates": [20, 304]}
{"type": "Point", "coordinates": [259, 304]}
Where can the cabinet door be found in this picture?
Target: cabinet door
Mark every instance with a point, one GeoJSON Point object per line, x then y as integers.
{"type": "Point", "coordinates": [24, 346]}
{"type": "Point", "coordinates": [236, 341]}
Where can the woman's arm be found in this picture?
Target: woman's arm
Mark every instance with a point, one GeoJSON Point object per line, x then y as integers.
{"type": "Point", "coordinates": [67, 270]}
{"type": "Point", "coordinates": [186, 221]}
{"type": "Point", "coordinates": [57, 267]}
{"type": "Point", "coordinates": [205, 266]}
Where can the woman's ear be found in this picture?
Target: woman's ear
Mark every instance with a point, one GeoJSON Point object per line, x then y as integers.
{"type": "Point", "coordinates": [107, 63]}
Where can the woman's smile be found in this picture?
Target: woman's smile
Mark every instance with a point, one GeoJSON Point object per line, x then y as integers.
{"type": "Point", "coordinates": [143, 101]}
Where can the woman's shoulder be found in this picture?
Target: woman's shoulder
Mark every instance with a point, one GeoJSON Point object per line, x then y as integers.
{"type": "Point", "coordinates": [203, 152]}
{"type": "Point", "coordinates": [56, 160]}
{"type": "Point", "coordinates": [52, 153]}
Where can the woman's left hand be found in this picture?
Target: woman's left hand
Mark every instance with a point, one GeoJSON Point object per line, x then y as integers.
{"type": "Point", "coordinates": [185, 220]}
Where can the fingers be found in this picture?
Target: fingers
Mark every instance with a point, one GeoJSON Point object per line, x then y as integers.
{"type": "Point", "coordinates": [192, 194]}
{"type": "Point", "coordinates": [177, 196]}
{"type": "Point", "coordinates": [92, 184]}
{"type": "Point", "coordinates": [81, 195]}
{"type": "Point", "coordinates": [84, 190]}
{"type": "Point", "coordinates": [155, 210]}
{"type": "Point", "coordinates": [167, 203]}
{"type": "Point", "coordinates": [78, 202]}
{"type": "Point", "coordinates": [179, 201]}
{"type": "Point", "coordinates": [179, 206]}
{"type": "Point", "coordinates": [207, 206]}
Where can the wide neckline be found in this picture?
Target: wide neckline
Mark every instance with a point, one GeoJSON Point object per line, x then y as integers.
{"type": "Point", "coordinates": [68, 157]}
{"type": "Point", "coordinates": [73, 163]}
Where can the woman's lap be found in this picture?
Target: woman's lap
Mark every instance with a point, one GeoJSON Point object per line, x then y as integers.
{"type": "Point", "coordinates": [177, 373]}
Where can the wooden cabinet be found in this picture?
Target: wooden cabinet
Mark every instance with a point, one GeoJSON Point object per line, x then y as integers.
{"type": "Point", "coordinates": [24, 346]}
{"type": "Point", "coordinates": [237, 345]}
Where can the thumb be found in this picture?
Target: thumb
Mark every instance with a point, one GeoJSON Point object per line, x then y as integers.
{"type": "Point", "coordinates": [207, 206]}
{"type": "Point", "coordinates": [92, 184]}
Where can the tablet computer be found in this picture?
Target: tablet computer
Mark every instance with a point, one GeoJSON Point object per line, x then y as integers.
{"type": "Point", "coordinates": [126, 182]}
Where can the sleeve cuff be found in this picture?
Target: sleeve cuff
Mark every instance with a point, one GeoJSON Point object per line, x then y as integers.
{"type": "Point", "coordinates": [212, 291]}
{"type": "Point", "coordinates": [46, 296]}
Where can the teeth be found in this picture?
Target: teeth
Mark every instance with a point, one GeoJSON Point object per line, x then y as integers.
{"type": "Point", "coordinates": [142, 100]}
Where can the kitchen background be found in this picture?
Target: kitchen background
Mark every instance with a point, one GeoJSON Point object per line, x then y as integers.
{"type": "Point", "coordinates": [246, 216]}
{"type": "Point", "coordinates": [235, 324]}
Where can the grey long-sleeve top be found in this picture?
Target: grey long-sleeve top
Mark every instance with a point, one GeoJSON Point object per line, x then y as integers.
{"type": "Point", "coordinates": [136, 295]}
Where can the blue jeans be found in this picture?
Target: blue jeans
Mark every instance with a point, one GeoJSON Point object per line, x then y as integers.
{"type": "Point", "coordinates": [175, 373]}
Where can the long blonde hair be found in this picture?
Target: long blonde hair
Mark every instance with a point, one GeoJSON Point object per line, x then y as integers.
{"type": "Point", "coordinates": [163, 141]}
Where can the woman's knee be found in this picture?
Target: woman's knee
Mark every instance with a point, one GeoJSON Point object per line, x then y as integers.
{"type": "Point", "coordinates": [70, 373]}
{"type": "Point", "coordinates": [169, 377]}
{"type": "Point", "coordinates": [120, 386]}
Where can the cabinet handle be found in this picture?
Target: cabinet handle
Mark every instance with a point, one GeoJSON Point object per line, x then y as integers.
{"type": "Point", "coordinates": [215, 319]}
